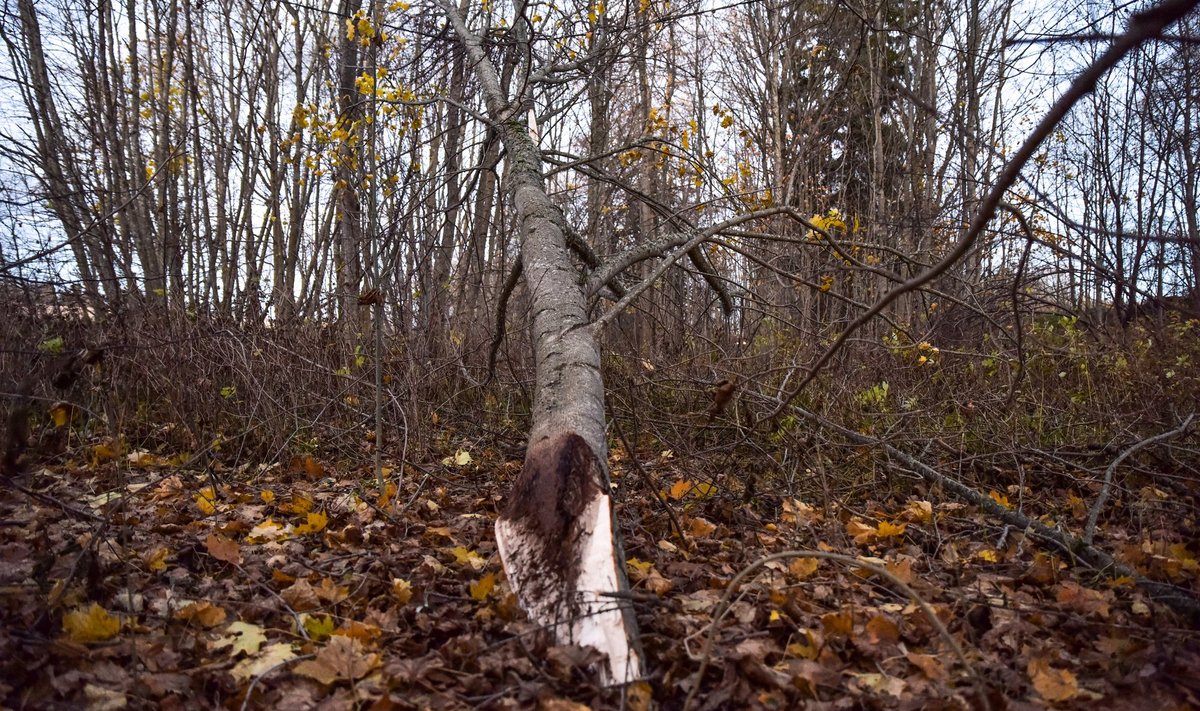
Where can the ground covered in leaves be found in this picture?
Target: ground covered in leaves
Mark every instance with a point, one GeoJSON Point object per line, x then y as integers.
{"type": "Point", "coordinates": [134, 581]}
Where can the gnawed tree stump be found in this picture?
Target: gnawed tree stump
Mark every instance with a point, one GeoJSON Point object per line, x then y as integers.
{"type": "Point", "coordinates": [556, 542]}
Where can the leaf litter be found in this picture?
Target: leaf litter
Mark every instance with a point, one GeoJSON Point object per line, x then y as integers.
{"type": "Point", "coordinates": [279, 592]}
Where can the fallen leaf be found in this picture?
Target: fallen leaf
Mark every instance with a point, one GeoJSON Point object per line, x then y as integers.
{"type": "Point", "coordinates": [202, 613]}
{"type": "Point", "coordinates": [803, 568]}
{"type": "Point", "coordinates": [331, 592]}
{"type": "Point", "coordinates": [301, 596]}
{"type": "Point", "coordinates": [929, 664]}
{"type": "Point", "coordinates": [680, 489]}
{"type": "Point", "coordinates": [223, 549]}
{"type": "Point", "coordinates": [241, 638]}
{"type": "Point", "coordinates": [319, 628]}
{"type": "Point", "coordinates": [468, 559]}
{"type": "Point", "coordinates": [700, 527]}
{"type": "Point", "coordinates": [1053, 684]}
{"type": "Point", "coordinates": [206, 501]}
{"type": "Point", "coordinates": [94, 624]}
{"type": "Point", "coordinates": [483, 587]}
{"type": "Point", "coordinates": [342, 659]}
{"type": "Point", "coordinates": [401, 590]}
{"type": "Point", "coordinates": [1074, 596]}
{"type": "Point", "coordinates": [268, 659]}
{"type": "Point", "coordinates": [101, 698]}
{"type": "Point", "coordinates": [315, 524]}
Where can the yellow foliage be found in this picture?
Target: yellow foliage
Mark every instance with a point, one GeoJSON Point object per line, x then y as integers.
{"type": "Point", "coordinates": [94, 624]}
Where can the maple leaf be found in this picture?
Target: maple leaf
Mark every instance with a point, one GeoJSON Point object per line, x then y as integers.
{"type": "Point", "coordinates": [1054, 685]}
{"type": "Point", "coordinates": [206, 501]}
{"type": "Point", "coordinates": [156, 559]}
{"type": "Point", "coordinates": [917, 512]}
{"type": "Point", "coordinates": [461, 458]}
{"type": "Point", "coordinates": [203, 613]}
{"type": "Point", "coordinates": [861, 533]}
{"type": "Point", "coordinates": [223, 549]}
{"type": "Point", "coordinates": [483, 587]}
{"type": "Point", "coordinates": [332, 592]}
{"type": "Point", "coordinates": [242, 638]}
{"type": "Point", "coordinates": [1074, 596]}
{"type": "Point", "coordinates": [268, 530]}
{"type": "Point", "coordinates": [301, 596]}
{"type": "Point", "coordinates": [401, 590]}
{"type": "Point", "coordinates": [837, 624]}
{"type": "Point", "coordinates": [342, 659]}
{"type": "Point", "coordinates": [273, 656]}
{"type": "Point", "coordinates": [318, 628]}
{"type": "Point", "coordinates": [315, 524]}
{"type": "Point", "coordinates": [891, 530]}
{"type": "Point", "coordinates": [803, 568]}
{"type": "Point", "coordinates": [680, 489]}
{"type": "Point", "coordinates": [94, 624]}
{"type": "Point", "coordinates": [700, 527]}
{"type": "Point", "coordinates": [468, 559]}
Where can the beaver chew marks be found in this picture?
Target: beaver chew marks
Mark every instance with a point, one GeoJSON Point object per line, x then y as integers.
{"type": "Point", "coordinates": [561, 475]}
{"type": "Point", "coordinates": [555, 538]}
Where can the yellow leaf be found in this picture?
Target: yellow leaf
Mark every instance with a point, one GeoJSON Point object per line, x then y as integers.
{"type": "Point", "coordinates": [94, 624]}
{"type": "Point", "coordinates": [468, 559]}
{"type": "Point", "coordinates": [204, 614]}
{"type": "Point", "coordinates": [206, 501]}
{"type": "Point", "coordinates": [987, 554]}
{"type": "Point", "coordinates": [891, 530]}
{"type": "Point", "coordinates": [318, 628]}
{"type": "Point", "coordinates": [242, 638]}
{"type": "Point", "coordinates": [316, 523]}
{"type": "Point", "coordinates": [861, 533]}
{"type": "Point", "coordinates": [60, 414]}
{"type": "Point", "coordinates": [268, 530]}
{"type": "Point", "coordinates": [803, 568]}
{"type": "Point", "coordinates": [680, 488]}
{"type": "Point", "coordinates": [401, 590]}
{"type": "Point", "coordinates": [483, 587]}
{"type": "Point", "coordinates": [156, 560]}
{"type": "Point", "coordinates": [700, 527]}
{"type": "Point", "coordinates": [268, 659]}
{"type": "Point", "coordinates": [640, 566]}
{"type": "Point", "coordinates": [461, 458]}
{"type": "Point", "coordinates": [999, 498]}
{"type": "Point", "coordinates": [917, 512]}
{"type": "Point", "coordinates": [267, 496]}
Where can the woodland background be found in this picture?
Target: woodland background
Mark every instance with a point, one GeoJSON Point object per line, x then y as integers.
{"type": "Point", "coordinates": [287, 228]}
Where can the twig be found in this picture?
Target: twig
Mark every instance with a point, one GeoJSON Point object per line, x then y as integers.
{"type": "Point", "coordinates": [1089, 529]}
{"type": "Point", "coordinates": [651, 483]}
{"type": "Point", "coordinates": [1179, 599]}
{"type": "Point", "coordinates": [723, 607]}
{"type": "Point", "coordinates": [1142, 27]}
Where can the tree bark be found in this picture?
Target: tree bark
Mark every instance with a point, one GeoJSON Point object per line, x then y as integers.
{"type": "Point", "coordinates": [557, 535]}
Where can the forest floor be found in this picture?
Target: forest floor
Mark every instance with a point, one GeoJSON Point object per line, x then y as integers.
{"type": "Point", "coordinates": [130, 581]}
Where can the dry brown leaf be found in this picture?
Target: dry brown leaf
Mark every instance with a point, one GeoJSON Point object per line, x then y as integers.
{"type": "Point", "coordinates": [301, 596]}
{"type": "Point", "coordinates": [1053, 684]}
{"type": "Point", "coordinates": [203, 613]}
{"type": "Point", "coordinates": [330, 591]}
{"type": "Point", "coordinates": [342, 659]}
{"type": "Point", "coordinates": [223, 549]}
{"type": "Point", "coordinates": [1074, 596]}
{"type": "Point", "coordinates": [929, 664]}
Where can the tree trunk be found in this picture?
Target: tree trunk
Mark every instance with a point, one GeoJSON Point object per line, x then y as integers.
{"type": "Point", "coordinates": [557, 535]}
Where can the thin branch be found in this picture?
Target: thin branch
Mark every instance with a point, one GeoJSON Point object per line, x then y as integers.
{"type": "Point", "coordinates": [1142, 27]}
{"type": "Point", "coordinates": [1089, 529]}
